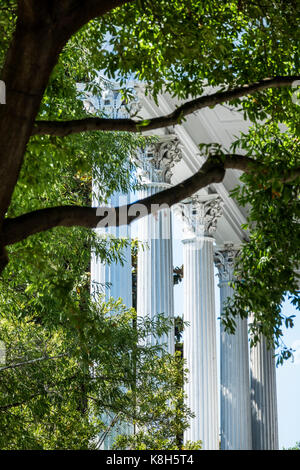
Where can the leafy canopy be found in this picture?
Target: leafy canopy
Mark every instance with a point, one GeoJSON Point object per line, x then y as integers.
{"type": "Point", "coordinates": [185, 49]}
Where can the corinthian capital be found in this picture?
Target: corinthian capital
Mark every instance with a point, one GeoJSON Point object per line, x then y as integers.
{"type": "Point", "coordinates": [200, 214]}
{"type": "Point", "coordinates": [158, 159]}
{"type": "Point", "coordinates": [225, 258]}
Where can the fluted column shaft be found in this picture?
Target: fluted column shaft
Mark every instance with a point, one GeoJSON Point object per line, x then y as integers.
{"type": "Point", "coordinates": [234, 365]}
{"type": "Point", "coordinates": [263, 397]}
{"type": "Point", "coordinates": [155, 267]}
{"type": "Point", "coordinates": [200, 342]}
{"type": "Point", "coordinates": [113, 280]}
{"type": "Point", "coordinates": [155, 260]}
{"type": "Point", "coordinates": [200, 215]}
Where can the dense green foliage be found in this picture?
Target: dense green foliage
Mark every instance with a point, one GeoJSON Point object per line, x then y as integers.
{"type": "Point", "coordinates": [60, 377]}
{"type": "Point", "coordinates": [163, 428]}
{"type": "Point", "coordinates": [266, 273]}
{"type": "Point", "coordinates": [269, 259]}
{"type": "Point", "coordinates": [185, 48]}
{"type": "Point", "coordinates": [71, 360]}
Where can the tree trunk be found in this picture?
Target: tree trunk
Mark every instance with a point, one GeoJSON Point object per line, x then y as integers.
{"type": "Point", "coordinates": [29, 62]}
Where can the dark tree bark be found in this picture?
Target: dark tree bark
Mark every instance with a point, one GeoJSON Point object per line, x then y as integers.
{"type": "Point", "coordinates": [64, 128]}
{"type": "Point", "coordinates": [212, 171]}
{"type": "Point", "coordinates": [42, 30]}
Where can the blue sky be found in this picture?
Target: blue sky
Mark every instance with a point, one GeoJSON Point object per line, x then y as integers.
{"type": "Point", "coordinates": [288, 386]}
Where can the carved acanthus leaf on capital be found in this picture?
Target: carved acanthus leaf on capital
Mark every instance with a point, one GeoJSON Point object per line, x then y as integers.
{"type": "Point", "coordinates": [158, 159]}
{"type": "Point", "coordinates": [116, 106]}
{"type": "Point", "coordinates": [225, 259]}
{"type": "Point", "coordinates": [200, 214]}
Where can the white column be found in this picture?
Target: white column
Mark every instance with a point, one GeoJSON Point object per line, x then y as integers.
{"type": "Point", "coordinates": [113, 280]}
{"type": "Point", "coordinates": [263, 397]}
{"type": "Point", "coordinates": [155, 263]}
{"type": "Point", "coordinates": [234, 362]}
{"type": "Point", "coordinates": [200, 215]}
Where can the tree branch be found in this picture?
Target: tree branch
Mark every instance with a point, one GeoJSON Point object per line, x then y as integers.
{"type": "Point", "coordinates": [212, 171]}
{"type": "Point", "coordinates": [42, 30]}
{"type": "Point", "coordinates": [108, 429]}
{"type": "Point", "coordinates": [80, 13]}
{"type": "Point", "coordinates": [32, 361]}
{"type": "Point", "coordinates": [43, 391]}
{"type": "Point", "coordinates": [250, 165]}
{"type": "Point", "coordinates": [21, 227]}
{"type": "Point", "coordinates": [18, 403]}
{"type": "Point", "coordinates": [64, 128]}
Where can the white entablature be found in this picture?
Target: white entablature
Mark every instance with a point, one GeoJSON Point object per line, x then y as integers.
{"type": "Point", "coordinates": [221, 125]}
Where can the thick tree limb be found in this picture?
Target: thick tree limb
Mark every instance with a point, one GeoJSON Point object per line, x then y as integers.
{"type": "Point", "coordinates": [17, 229]}
{"type": "Point", "coordinates": [85, 10]}
{"type": "Point", "coordinates": [3, 257]}
{"type": "Point", "coordinates": [64, 128]}
{"type": "Point", "coordinates": [250, 165]}
{"type": "Point", "coordinates": [42, 30]}
{"type": "Point", "coordinates": [212, 171]}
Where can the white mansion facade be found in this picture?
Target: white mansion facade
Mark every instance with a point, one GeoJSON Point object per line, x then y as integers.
{"type": "Point", "coordinates": [240, 409]}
